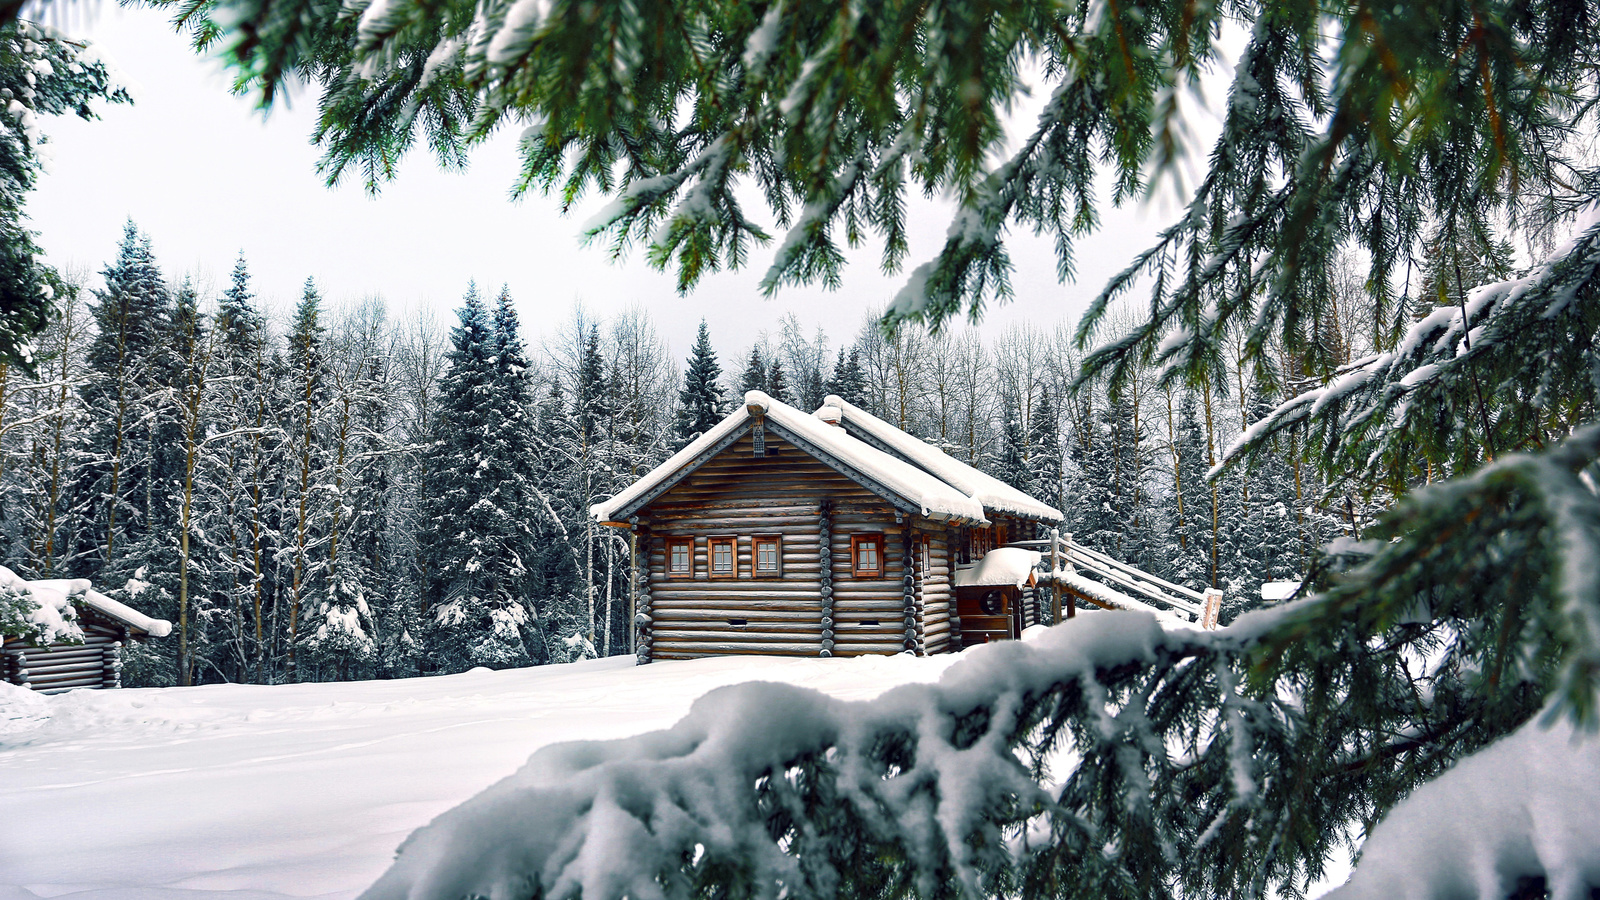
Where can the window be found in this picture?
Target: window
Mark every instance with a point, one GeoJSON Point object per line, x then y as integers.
{"type": "Point", "coordinates": [927, 557]}
{"type": "Point", "coordinates": [680, 557]}
{"type": "Point", "coordinates": [768, 556]}
{"type": "Point", "coordinates": [866, 555]}
{"type": "Point", "coordinates": [722, 557]}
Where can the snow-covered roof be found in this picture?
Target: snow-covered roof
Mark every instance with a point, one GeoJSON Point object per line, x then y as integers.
{"type": "Point", "coordinates": [1001, 566]}
{"type": "Point", "coordinates": [994, 494]}
{"type": "Point", "coordinates": [933, 497]}
{"type": "Point", "coordinates": [79, 589]}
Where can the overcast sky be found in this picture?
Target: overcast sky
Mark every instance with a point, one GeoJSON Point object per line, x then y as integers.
{"type": "Point", "coordinates": [206, 176]}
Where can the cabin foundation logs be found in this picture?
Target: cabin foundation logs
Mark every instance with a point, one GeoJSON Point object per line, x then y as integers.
{"type": "Point", "coordinates": [909, 590]}
{"type": "Point", "coordinates": [642, 618]}
{"type": "Point", "coordinates": [825, 566]}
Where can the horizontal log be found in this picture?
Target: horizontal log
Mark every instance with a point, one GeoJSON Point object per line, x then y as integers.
{"type": "Point", "coordinates": [54, 656]}
{"type": "Point", "coordinates": [809, 616]}
{"type": "Point", "coordinates": [738, 591]}
{"type": "Point", "coordinates": [754, 521]}
{"type": "Point", "coordinates": [764, 634]}
{"type": "Point", "coordinates": [63, 683]}
{"type": "Point", "coordinates": [45, 665]}
{"type": "Point", "coordinates": [867, 609]}
{"type": "Point", "coordinates": [691, 650]}
{"type": "Point", "coordinates": [666, 510]}
{"type": "Point", "coordinates": [884, 648]}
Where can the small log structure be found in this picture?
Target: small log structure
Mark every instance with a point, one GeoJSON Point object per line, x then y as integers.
{"type": "Point", "coordinates": [107, 626]}
{"type": "Point", "coordinates": [826, 534]}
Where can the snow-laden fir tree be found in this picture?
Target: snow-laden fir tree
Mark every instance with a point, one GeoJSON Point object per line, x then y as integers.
{"type": "Point", "coordinates": [479, 517]}
{"type": "Point", "coordinates": [242, 362]}
{"type": "Point", "coordinates": [1045, 451]}
{"type": "Point", "coordinates": [755, 372]}
{"type": "Point", "coordinates": [700, 402]}
{"type": "Point", "coordinates": [304, 509]}
{"type": "Point", "coordinates": [1011, 461]}
{"type": "Point", "coordinates": [112, 486]}
{"type": "Point", "coordinates": [848, 382]}
{"type": "Point", "coordinates": [778, 383]}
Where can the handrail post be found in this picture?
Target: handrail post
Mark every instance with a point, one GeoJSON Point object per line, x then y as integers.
{"type": "Point", "coordinates": [1212, 609]}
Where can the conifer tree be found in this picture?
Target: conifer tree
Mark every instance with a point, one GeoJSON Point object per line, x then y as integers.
{"type": "Point", "coordinates": [1011, 464]}
{"type": "Point", "coordinates": [308, 396]}
{"type": "Point", "coordinates": [1044, 449]}
{"type": "Point", "coordinates": [849, 382]}
{"type": "Point", "coordinates": [1189, 546]}
{"type": "Point", "coordinates": [125, 362]}
{"type": "Point", "coordinates": [700, 402]}
{"type": "Point", "coordinates": [242, 362]}
{"type": "Point", "coordinates": [755, 373]}
{"type": "Point", "coordinates": [481, 516]}
{"type": "Point", "coordinates": [778, 383]}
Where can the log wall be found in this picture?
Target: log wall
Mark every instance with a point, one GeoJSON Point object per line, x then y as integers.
{"type": "Point", "coordinates": [783, 492]}
{"type": "Point", "coordinates": [96, 663]}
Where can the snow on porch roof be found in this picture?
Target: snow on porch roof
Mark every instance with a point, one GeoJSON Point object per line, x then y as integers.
{"type": "Point", "coordinates": [993, 493]}
{"type": "Point", "coordinates": [929, 494]}
{"type": "Point", "coordinates": [1001, 566]}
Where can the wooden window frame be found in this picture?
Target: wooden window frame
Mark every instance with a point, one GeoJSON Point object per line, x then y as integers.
{"type": "Point", "coordinates": [672, 542]}
{"type": "Point", "coordinates": [711, 556]}
{"type": "Point", "coordinates": [756, 540]}
{"type": "Point", "coordinates": [856, 570]}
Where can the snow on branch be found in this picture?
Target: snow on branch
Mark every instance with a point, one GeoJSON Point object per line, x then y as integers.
{"type": "Point", "coordinates": [786, 791]}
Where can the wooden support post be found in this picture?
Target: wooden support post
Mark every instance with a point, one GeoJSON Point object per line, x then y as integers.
{"type": "Point", "coordinates": [908, 581]}
{"type": "Point", "coordinates": [952, 536]}
{"type": "Point", "coordinates": [1212, 609]}
{"type": "Point", "coordinates": [825, 564]}
{"type": "Point", "coordinates": [1055, 566]}
{"type": "Point", "coordinates": [642, 619]}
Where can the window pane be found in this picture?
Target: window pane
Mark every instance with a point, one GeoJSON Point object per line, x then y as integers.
{"type": "Point", "coordinates": [722, 557]}
{"type": "Point", "coordinates": [680, 557]}
{"type": "Point", "coordinates": [869, 554]}
{"type": "Point", "coordinates": [767, 556]}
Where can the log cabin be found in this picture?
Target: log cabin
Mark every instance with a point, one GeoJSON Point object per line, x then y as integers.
{"type": "Point", "coordinates": [824, 534]}
{"type": "Point", "coordinates": [106, 624]}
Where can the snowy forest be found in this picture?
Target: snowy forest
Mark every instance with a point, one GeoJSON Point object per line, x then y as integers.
{"type": "Point", "coordinates": [336, 494]}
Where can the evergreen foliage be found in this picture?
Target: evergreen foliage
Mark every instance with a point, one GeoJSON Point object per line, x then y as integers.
{"type": "Point", "coordinates": [700, 401]}
{"type": "Point", "coordinates": [479, 521]}
{"type": "Point", "coordinates": [755, 373]}
{"type": "Point", "coordinates": [849, 382]}
{"type": "Point", "coordinates": [41, 74]}
{"type": "Point", "coordinates": [1011, 465]}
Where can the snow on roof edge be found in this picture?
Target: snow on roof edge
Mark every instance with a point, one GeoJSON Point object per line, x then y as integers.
{"type": "Point", "coordinates": [933, 496]}
{"type": "Point", "coordinates": [982, 487]}
{"type": "Point", "coordinates": [80, 589]}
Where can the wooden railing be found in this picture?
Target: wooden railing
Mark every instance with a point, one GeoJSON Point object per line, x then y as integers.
{"type": "Point", "coordinates": [1098, 579]}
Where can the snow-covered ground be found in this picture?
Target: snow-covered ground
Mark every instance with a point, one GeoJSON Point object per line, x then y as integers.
{"type": "Point", "coordinates": [306, 790]}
